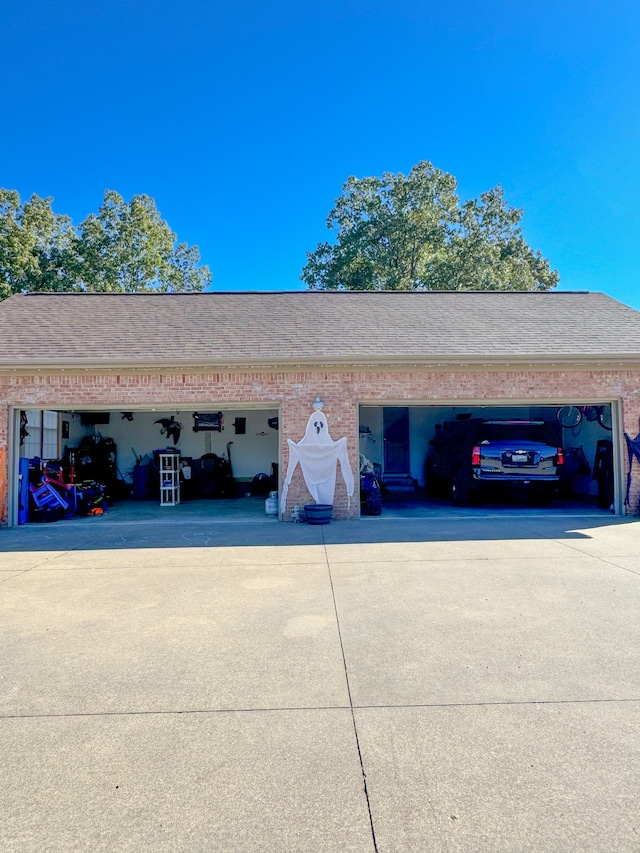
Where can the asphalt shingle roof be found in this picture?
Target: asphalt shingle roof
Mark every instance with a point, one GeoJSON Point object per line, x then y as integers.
{"type": "Point", "coordinates": [303, 327]}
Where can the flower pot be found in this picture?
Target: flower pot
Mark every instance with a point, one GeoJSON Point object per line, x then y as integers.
{"type": "Point", "coordinates": [318, 513]}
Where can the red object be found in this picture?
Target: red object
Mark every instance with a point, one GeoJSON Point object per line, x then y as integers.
{"type": "Point", "coordinates": [560, 460]}
{"type": "Point", "coordinates": [475, 456]}
{"type": "Point", "coordinates": [54, 474]}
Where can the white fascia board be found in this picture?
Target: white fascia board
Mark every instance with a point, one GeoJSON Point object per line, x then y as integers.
{"type": "Point", "coordinates": [606, 360]}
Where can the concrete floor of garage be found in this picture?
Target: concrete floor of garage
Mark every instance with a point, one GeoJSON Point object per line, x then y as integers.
{"type": "Point", "coordinates": [252, 509]}
{"type": "Point", "coordinates": [458, 683]}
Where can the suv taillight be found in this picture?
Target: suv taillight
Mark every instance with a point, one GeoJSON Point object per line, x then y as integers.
{"type": "Point", "coordinates": [560, 457]}
{"type": "Point", "coordinates": [475, 456]}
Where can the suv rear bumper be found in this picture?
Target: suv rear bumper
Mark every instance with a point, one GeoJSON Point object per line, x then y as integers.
{"type": "Point", "coordinates": [515, 478]}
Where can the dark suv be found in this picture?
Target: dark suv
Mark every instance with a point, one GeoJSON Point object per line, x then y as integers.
{"type": "Point", "coordinates": [471, 455]}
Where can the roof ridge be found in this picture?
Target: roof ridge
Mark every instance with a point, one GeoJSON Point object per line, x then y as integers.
{"type": "Point", "coordinates": [68, 294]}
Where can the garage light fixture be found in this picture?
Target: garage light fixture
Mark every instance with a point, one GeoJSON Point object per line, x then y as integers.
{"type": "Point", "coordinates": [317, 404]}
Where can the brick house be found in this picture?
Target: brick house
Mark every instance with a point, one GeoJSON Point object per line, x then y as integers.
{"type": "Point", "coordinates": [384, 364]}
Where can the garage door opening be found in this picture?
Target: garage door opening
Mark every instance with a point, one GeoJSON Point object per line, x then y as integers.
{"type": "Point", "coordinates": [143, 463]}
{"type": "Point", "coordinates": [425, 457]}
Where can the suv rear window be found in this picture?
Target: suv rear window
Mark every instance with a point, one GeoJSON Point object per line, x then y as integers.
{"type": "Point", "coordinates": [508, 430]}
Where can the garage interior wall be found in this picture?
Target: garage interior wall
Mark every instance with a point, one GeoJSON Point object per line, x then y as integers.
{"type": "Point", "coordinates": [251, 452]}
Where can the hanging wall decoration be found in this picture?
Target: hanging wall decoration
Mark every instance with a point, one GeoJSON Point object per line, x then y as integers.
{"type": "Point", "coordinates": [24, 432]}
{"type": "Point", "coordinates": [170, 427]}
{"type": "Point", "coordinates": [208, 421]}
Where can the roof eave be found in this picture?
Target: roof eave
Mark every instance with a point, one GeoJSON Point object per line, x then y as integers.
{"type": "Point", "coordinates": [356, 361]}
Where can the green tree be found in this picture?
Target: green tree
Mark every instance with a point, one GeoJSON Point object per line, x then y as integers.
{"type": "Point", "coordinates": [36, 246]}
{"type": "Point", "coordinates": [128, 247]}
{"type": "Point", "coordinates": [125, 247]}
{"type": "Point", "coordinates": [411, 232]}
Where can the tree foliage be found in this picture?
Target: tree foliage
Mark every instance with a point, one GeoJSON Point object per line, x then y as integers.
{"type": "Point", "coordinates": [35, 246]}
{"type": "Point", "coordinates": [124, 247]}
{"type": "Point", "coordinates": [411, 232]}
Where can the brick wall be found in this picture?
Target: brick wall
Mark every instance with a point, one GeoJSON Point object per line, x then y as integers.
{"type": "Point", "coordinates": [341, 391]}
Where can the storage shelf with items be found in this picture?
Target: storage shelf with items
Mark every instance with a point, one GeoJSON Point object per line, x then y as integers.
{"type": "Point", "coordinates": [169, 470]}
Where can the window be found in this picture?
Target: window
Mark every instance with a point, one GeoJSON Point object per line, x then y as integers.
{"type": "Point", "coordinates": [42, 439]}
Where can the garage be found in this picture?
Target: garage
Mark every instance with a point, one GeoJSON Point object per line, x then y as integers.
{"type": "Point", "coordinates": [221, 384]}
{"type": "Point", "coordinates": [75, 463]}
{"type": "Point", "coordinates": [421, 455]}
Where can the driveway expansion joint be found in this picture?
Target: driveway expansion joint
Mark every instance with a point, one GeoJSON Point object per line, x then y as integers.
{"type": "Point", "coordinates": [304, 708]}
{"type": "Point", "coordinates": [353, 716]}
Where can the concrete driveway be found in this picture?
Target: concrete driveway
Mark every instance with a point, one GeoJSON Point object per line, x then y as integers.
{"type": "Point", "coordinates": [456, 684]}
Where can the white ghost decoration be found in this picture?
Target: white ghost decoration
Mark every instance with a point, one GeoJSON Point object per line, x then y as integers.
{"type": "Point", "coordinates": [318, 456]}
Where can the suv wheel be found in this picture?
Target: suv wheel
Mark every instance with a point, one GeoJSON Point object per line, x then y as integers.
{"type": "Point", "coordinates": [460, 491]}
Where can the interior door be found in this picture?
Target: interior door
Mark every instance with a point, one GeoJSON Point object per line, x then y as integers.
{"type": "Point", "coordinates": [396, 439]}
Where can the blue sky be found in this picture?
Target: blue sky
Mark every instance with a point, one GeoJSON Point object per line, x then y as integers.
{"type": "Point", "coordinates": [242, 118]}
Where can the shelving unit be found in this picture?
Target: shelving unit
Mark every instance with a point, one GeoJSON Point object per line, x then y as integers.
{"type": "Point", "coordinates": [169, 466]}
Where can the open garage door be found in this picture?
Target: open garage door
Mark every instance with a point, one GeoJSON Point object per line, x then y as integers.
{"type": "Point", "coordinates": [131, 464]}
{"type": "Point", "coordinates": [498, 455]}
